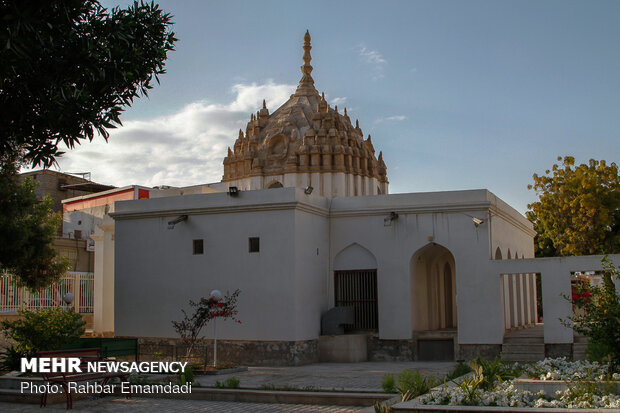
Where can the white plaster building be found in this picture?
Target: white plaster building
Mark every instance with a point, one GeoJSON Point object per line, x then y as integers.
{"type": "Point", "coordinates": [427, 273]}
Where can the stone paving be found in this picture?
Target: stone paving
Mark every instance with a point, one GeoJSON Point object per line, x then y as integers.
{"type": "Point", "coordinates": [118, 405]}
{"type": "Point", "coordinates": [354, 377]}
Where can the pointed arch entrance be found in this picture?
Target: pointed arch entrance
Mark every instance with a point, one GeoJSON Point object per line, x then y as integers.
{"type": "Point", "coordinates": [433, 289]}
{"type": "Point", "coordinates": [355, 285]}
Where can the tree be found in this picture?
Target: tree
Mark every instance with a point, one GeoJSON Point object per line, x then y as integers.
{"type": "Point", "coordinates": [68, 67]}
{"type": "Point", "coordinates": [578, 211]}
{"type": "Point", "coordinates": [67, 70]}
{"type": "Point", "coordinates": [28, 227]}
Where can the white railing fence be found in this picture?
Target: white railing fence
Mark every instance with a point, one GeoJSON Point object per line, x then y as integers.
{"type": "Point", "coordinates": [80, 284]}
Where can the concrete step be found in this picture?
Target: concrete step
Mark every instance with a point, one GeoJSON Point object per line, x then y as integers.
{"type": "Point", "coordinates": [522, 350]}
{"type": "Point", "coordinates": [524, 340]}
{"type": "Point", "coordinates": [522, 357]}
{"type": "Point", "coordinates": [523, 346]}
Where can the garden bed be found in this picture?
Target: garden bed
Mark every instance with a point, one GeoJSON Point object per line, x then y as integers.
{"type": "Point", "coordinates": [552, 383]}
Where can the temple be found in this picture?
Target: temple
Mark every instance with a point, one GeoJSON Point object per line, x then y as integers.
{"type": "Point", "coordinates": [305, 143]}
{"type": "Point", "coordinates": [330, 266]}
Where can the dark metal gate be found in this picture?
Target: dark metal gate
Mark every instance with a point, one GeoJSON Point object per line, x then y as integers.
{"type": "Point", "coordinates": [358, 289]}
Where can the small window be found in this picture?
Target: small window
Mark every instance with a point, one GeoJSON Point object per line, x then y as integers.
{"type": "Point", "coordinates": [198, 247]}
{"type": "Point", "coordinates": [254, 244]}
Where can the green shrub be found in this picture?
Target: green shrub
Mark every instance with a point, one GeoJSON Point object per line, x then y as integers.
{"type": "Point", "coordinates": [412, 384]}
{"type": "Point", "coordinates": [10, 359]}
{"type": "Point", "coordinates": [459, 370]}
{"type": "Point", "coordinates": [43, 330]}
{"type": "Point", "coordinates": [382, 407]}
{"type": "Point", "coordinates": [187, 375]}
{"type": "Point", "coordinates": [471, 386]}
{"type": "Point", "coordinates": [388, 384]}
{"type": "Point", "coordinates": [493, 371]}
{"type": "Point", "coordinates": [229, 383]}
{"type": "Point", "coordinates": [596, 351]}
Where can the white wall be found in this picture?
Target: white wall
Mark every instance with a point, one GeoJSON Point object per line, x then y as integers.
{"type": "Point", "coordinates": [156, 272]}
{"type": "Point", "coordinates": [85, 220]}
{"type": "Point", "coordinates": [311, 242]}
{"type": "Point", "coordinates": [555, 276]}
{"type": "Point", "coordinates": [287, 286]}
{"type": "Point", "coordinates": [510, 232]}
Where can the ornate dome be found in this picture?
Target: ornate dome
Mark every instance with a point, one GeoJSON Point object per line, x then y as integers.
{"type": "Point", "coordinates": [304, 135]}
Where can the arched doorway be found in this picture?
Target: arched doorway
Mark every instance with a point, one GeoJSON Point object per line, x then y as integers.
{"type": "Point", "coordinates": [433, 289]}
{"type": "Point", "coordinates": [355, 285]}
{"type": "Point", "coordinates": [275, 184]}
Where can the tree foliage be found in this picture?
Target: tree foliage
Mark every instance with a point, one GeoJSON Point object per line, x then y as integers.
{"type": "Point", "coordinates": [28, 230]}
{"type": "Point", "coordinates": [578, 211]}
{"type": "Point", "coordinates": [68, 67]}
{"type": "Point", "coordinates": [44, 330]}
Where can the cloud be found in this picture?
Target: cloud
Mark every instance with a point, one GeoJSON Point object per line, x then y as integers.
{"type": "Point", "coordinates": [338, 101]}
{"type": "Point", "coordinates": [374, 59]}
{"type": "Point", "coordinates": [180, 149]}
{"type": "Point", "coordinates": [391, 119]}
{"type": "Point", "coordinates": [370, 56]}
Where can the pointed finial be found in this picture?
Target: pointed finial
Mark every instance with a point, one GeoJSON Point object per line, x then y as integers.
{"type": "Point", "coordinates": [230, 153]}
{"type": "Point", "coordinates": [336, 108]}
{"type": "Point", "coordinates": [264, 104]}
{"type": "Point", "coordinates": [306, 68]}
{"type": "Point", "coordinates": [240, 134]}
{"type": "Point", "coordinates": [380, 156]}
{"type": "Point", "coordinates": [345, 112]}
{"type": "Point", "coordinates": [357, 123]}
{"type": "Point", "coordinates": [322, 95]}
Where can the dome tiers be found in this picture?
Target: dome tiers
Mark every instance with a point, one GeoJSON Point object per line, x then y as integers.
{"type": "Point", "coordinates": [304, 143]}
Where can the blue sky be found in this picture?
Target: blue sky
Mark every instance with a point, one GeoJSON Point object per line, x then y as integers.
{"type": "Point", "coordinates": [457, 94]}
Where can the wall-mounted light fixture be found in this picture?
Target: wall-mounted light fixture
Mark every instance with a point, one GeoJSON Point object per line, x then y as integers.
{"type": "Point", "coordinates": [308, 190]}
{"type": "Point", "coordinates": [387, 221]}
{"type": "Point", "coordinates": [175, 221]}
{"type": "Point", "coordinates": [477, 221]}
{"type": "Point", "coordinates": [233, 191]}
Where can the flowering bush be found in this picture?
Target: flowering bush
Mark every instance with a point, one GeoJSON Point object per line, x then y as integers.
{"type": "Point", "coordinates": [207, 309]}
{"type": "Point", "coordinates": [599, 315]}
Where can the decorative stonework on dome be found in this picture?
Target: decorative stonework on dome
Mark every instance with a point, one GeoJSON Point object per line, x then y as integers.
{"type": "Point", "coordinates": [306, 136]}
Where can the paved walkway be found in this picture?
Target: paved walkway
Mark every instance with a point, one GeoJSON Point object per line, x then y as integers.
{"type": "Point", "coordinates": [354, 377]}
{"type": "Point", "coordinates": [118, 405]}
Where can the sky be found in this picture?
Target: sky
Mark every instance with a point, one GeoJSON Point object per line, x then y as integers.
{"type": "Point", "coordinates": [457, 94]}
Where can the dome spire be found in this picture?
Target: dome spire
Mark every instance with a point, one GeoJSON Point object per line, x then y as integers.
{"type": "Point", "coordinates": [306, 83]}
